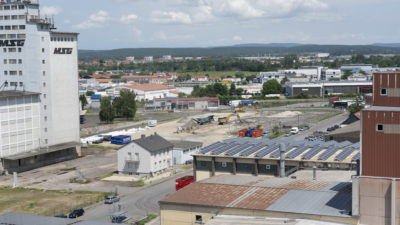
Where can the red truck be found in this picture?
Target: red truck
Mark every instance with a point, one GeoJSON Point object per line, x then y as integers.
{"type": "Point", "coordinates": [183, 182]}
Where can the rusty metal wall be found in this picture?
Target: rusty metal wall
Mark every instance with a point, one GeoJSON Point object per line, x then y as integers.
{"type": "Point", "coordinates": [380, 150]}
{"type": "Point", "coordinates": [386, 80]}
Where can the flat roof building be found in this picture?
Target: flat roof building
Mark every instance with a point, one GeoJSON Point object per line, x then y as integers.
{"type": "Point", "coordinates": [328, 87]}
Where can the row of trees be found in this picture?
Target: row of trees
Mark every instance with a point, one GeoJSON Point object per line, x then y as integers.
{"type": "Point", "coordinates": [221, 90]}
{"type": "Point", "coordinates": [122, 107]}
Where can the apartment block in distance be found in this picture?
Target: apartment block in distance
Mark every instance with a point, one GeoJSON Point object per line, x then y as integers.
{"type": "Point", "coordinates": [39, 104]}
{"type": "Point", "coordinates": [378, 185]}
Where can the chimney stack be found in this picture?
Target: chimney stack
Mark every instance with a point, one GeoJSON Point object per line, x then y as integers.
{"type": "Point", "coordinates": [282, 149]}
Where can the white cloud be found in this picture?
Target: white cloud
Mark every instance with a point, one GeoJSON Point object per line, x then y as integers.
{"type": "Point", "coordinates": [50, 10]}
{"type": "Point", "coordinates": [161, 35]}
{"type": "Point", "coordinates": [170, 17]}
{"type": "Point", "coordinates": [237, 38]}
{"type": "Point", "coordinates": [129, 19]}
{"type": "Point", "coordinates": [95, 20]}
{"type": "Point", "coordinates": [249, 9]}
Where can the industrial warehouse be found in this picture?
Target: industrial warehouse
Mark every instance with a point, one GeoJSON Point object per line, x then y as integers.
{"type": "Point", "coordinates": [262, 157]}
{"type": "Point", "coordinates": [322, 88]}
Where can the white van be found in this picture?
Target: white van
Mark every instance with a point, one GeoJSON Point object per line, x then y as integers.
{"type": "Point", "coordinates": [152, 123]}
{"type": "Point", "coordinates": [294, 130]}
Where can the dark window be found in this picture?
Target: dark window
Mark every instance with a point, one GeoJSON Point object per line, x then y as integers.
{"type": "Point", "coordinates": [199, 219]}
{"type": "Point", "coordinates": [379, 127]}
{"type": "Point", "coordinates": [383, 91]}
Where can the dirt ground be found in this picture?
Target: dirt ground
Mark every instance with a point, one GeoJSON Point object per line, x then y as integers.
{"type": "Point", "coordinates": [210, 133]}
{"type": "Point", "coordinates": [47, 203]}
{"type": "Point", "coordinates": [96, 163]}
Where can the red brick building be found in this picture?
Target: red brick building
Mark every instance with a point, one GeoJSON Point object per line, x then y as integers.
{"type": "Point", "coordinates": [379, 183]}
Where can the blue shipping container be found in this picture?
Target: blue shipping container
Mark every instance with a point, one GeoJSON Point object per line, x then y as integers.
{"type": "Point", "coordinates": [95, 97]}
{"type": "Point", "coordinates": [121, 140]}
{"type": "Point", "coordinates": [247, 102]}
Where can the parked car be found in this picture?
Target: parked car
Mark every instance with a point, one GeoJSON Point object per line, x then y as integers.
{"type": "Point", "coordinates": [288, 134]}
{"type": "Point", "coordinates": [304, 128]}
{"type": "Point", "coordinates": [118, 219]}
{"type": "Point", "coordinates": [76, 213]}
{"type": "Point", "coordinates": [111, 199]}
{"type": "Point", "coordinates": [61, 216]}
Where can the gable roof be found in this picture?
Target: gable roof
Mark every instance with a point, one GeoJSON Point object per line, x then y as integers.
{"type": "Point", "coordinates": [153, 143]}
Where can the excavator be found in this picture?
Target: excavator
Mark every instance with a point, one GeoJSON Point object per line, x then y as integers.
{"type": "Point", "coordinates": [225, 120]}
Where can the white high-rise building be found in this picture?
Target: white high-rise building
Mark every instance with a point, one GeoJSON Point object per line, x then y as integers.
{"type": "Point", "coordinates": [39, 102]}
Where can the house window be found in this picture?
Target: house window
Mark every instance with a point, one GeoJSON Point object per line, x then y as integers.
{"type": "Point", "coordinates": [199, 219]}
{"type": "Point", "coordinates": [379, 127]}
{"type": "Point", "coordinates": [383, 91]}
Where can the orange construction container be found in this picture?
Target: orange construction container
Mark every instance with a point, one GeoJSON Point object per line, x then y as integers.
{"type": "Point", "coordinates": [257, 133]}
{"type": "Point", "coordinates": [242, 133]}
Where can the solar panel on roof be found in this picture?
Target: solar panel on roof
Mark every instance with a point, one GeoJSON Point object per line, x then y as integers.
{"type": "Point", "coordinates": [277, 153]}
{"type": "Point", "coordinates": [253, 149]}
{"type": "Point", "coordinates": [329, 152]}
{"type": "Point", "coordinates": [238, 149]}
{"type": "Point", "coordinates": [266, 151]}
{"type": "Point", "coordinates": [344, 154]}
{"type": "Point", "coordinates": [356, 157]}
{"type": "Point", "coordinates": [356, 145]}
{"type": "Point", "coordinates": [210, 147]}
{"type": "Point", "coordinates": [224, 148]}
{"type": "Point", "coordinates": [344, 144]}
{"type": "Point", "coordinates": [313, 152]}
{"type": "Point", "coordinates": [296, 152]}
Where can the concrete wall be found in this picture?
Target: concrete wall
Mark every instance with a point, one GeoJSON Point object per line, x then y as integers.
{"type": "Point", "coordinates": [375, 201]}
{"type": "Point", "coordinates": [174, 214]}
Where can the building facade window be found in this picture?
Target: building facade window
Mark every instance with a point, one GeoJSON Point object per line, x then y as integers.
{"type": "Point", "coordinates": [383, 91]}
{"type": "Point", "coordinates": [379, 127]}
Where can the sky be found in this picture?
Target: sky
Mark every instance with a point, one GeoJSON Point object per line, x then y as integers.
{"type": "Point", "coordinates": [111, 24]}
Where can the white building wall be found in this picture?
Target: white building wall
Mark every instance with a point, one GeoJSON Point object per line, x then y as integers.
{"type": "Point", "coordinates": [54, 76]}
{"type": "Point", "coordinates": [64, 102]}
{"type": "Point", "coordinates": [138, 161]}
{"type": "Point", "coordinates": [19, 124]}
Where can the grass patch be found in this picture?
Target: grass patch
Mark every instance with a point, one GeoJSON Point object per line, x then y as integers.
{"type": "Point", "coordinates": [104, 176]}
{"type": "Point", "coordinates": [139, 183]}
{"type": "Point", "coordinates": [186, 167]}
{"type": "Point", "coordinates": [148, 218]}
{"type": "Point", "coordinates": [327, 117]}
{"type": "Point", "coordinates": [45, 202]}
{"type": "Point", "coordinates": [103, 147]}
{"type": "Point", "coordinates": [217, 73]}
{"type": "Point", "coordinates": [273, 136]}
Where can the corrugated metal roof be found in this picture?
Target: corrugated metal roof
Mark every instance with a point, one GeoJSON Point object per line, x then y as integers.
{"type": "Point", "coordinates": [314, 202]}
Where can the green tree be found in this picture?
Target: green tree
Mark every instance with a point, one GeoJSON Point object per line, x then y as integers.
{"type": "Point", "coordinates": [289, 61]}
{"type": "Point", "coordinates": [239, 75]}
{"type": "Point", "coordinates": [284, 80]}
{"type": "Point", "coordinates": [356, 107]}
{"type": "Point", "coordinates": [239, 91]}
{"type": "Point", "coordinates": [232, 89]}
{"type": "Point", "coordinates": [250, 78]}
{"type": "Point", "coordinates": [275, 130]}
{"type": "Point", "coordinates": [125, 104]}
{"type": "Point", "coordinates": [346, 75]}
{"type": "Point", "coordinates": [89, 93]}
{"type": "Point", "coordinates": [181, 95]}
{"type": "Point", "coordinates": [107, 111]}
{"type": "Point", "coordinates": [83, 100]}
{"type": "Point", "coordinates": [271, 87]}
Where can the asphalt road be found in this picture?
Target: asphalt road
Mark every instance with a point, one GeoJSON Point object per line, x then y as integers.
{"type": "Point", "coordinates": [138, 203]}
{"type": "Point", "coordinates": [321, 126]}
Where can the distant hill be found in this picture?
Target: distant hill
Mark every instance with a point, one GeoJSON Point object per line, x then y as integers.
{"type": "Point", "coordinates": [284, 45]}
{"type": "Point", "coordinates": [237, 51]}
{"type": "Point", "coordinates": [393, 45]}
